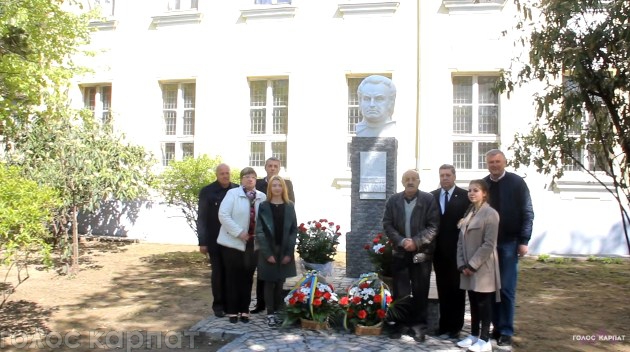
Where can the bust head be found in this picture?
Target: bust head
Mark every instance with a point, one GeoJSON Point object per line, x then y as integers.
{"type": "Point", "coordinates": [377, 96]}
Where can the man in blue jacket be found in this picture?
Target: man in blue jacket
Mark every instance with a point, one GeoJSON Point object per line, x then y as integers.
{"type": "Point", "coordinates": [509, 196]}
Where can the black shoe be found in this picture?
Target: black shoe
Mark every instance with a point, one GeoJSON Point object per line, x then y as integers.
{"type": "Point", "coordinates": [256, 310]}
{"type": "Point", "coordinates": [453, 335]}
{"type": "Point", "coordinates": [245, 318]}
{"type": "Point", "coordinates": [496, 335]}
{"type": "Point", "coordinates": [233, 319]}
{"type": "Point", "coordinates": [418, 333]}
{"type": "Point", "coordinates": [219, 314]}
{"type": "Point", "coordinates": [505, 340]}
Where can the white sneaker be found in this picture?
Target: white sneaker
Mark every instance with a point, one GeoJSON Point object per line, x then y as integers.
{"type": "Point", "coordinates": [468, 341]}
{"type": "Point", "coordinates": [481, 346]}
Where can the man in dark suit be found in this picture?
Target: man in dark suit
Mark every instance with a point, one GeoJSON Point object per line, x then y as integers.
{"type": "Point", "coordinates": [272, 167]}
{"type": "Point", "coordinates": [208, 226]}
{"type": "Point", "coordinates": [453, 203]}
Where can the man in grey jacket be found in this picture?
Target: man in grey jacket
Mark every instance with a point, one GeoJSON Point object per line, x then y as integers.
{"type": "Point", "coordinates": [411, 222]}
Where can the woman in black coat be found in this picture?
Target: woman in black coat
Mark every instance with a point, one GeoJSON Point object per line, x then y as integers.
{"type": "Point", "coordinates": [276, 234]}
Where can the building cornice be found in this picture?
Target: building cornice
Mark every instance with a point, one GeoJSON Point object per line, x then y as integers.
{"type": "Point", "coordinates": [368, 8]}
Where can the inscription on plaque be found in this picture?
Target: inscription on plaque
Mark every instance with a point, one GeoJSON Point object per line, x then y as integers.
{"type": "Point", "coordinates": [373, 174]}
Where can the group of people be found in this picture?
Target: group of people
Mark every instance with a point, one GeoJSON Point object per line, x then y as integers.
{"type": "Point", "coordinates": [244, 228]}
{"type": "Point", "coordinates": [473, 239]}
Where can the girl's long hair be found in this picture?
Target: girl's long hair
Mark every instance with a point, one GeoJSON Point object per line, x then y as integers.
{"type": "Point", "coordinates": [285, 193]}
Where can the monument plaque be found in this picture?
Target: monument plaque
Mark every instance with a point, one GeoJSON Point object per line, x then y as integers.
{"type": "Point", "coordinates": [372, 180]}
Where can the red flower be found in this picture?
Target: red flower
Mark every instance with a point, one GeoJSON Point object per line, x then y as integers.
{"type": "Point", "coordinates": [362, 314]}
{"type": "Point", "coordinates": [344, 301]}
{"type": "Point", "coordinates": [301, 296]}
{"type": "Point", "coordinates": [366, 247]}
{"type": "Point", "coordinates": [318, 225]}
{"type": "Point", "coordinates": [378, 299]}
{"type": "Point", "coordinates": [379, 235]}
{"type": "Point", "coordinates": [327, 296]}
{"type": "Point", "coordinates": [375, 241]}
{"type": "Point", "coordinates": [292, 301]}
{"type": "Point", "coordinates": [381, 250]}
{"type": "Point", "coordinates": [317, 302]}
{"type": "Point", "coordinates": [318, 293]}
{"type": "Point", "coordinates": [388, 299]}
{"type": "Point", "coordinates": [381, 313]}
{"type": "Point", "coordinates": [364, 285]}
{"type": "Point", "coordinates": [356, 299]}
{"type": "Point", "coordinates": [350, 312]}
{"type": "Point", "coordinates": [331, 223]}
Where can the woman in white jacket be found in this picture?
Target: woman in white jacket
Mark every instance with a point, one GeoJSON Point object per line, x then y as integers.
{"type": "Point", "coordinates": [238, 213]}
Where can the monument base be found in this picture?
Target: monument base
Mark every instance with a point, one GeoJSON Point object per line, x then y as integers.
{"type": "Point", "coordinates": [373, 163]}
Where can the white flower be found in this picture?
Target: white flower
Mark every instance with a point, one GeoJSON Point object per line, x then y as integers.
{"type": "Point", "coordinates": [377, 247]}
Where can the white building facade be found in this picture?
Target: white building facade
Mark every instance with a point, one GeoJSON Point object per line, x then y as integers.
{"type": "Point", "coordinates": [251, 79]}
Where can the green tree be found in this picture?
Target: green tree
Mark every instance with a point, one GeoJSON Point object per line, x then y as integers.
{"type": "Point", "coordinates": [181, 182]}
{"type": "Point", "coordinates": [578, 50]}
{"type": "Point", "coordinates": [37, 41]}
{"type": "Point", "coordinates": [25, 214]}
{"type": "Point", "coordinates": [86, 163]}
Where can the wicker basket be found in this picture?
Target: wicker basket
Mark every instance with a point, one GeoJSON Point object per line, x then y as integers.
{"type": "Point", "coordinates": [313, 325]}
{"type": "Point", "coordinates": [369, 330]}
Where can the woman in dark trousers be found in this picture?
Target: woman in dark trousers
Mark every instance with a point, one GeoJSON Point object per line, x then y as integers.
{"type": "Point", "coordinates": [276, 233]}
{"type": "Point", "coordinates": [237, 214]}
{"type": "Point", "coordinates": [478, 264]}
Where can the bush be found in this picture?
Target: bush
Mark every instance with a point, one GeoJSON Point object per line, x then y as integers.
{"type": "Point", "coordinates": [26, 211]}
{"type": "Point", "coordinates": [181, 182]}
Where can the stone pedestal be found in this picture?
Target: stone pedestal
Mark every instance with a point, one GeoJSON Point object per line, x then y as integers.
{"type": "Point", "coordinates": [373, 162]}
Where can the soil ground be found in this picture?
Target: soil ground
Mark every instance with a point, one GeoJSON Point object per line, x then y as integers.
{"type": "Point", "coordinates": [123, 290]}
{"type": "Point", "coordinates": [129, 291]}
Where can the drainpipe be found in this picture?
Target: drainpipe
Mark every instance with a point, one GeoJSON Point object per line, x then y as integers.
{"type": "Point", "coordinates": [417, 141]}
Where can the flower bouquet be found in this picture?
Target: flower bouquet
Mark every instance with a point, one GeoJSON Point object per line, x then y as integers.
{"type": "Point", "coordinates": [311, 299]}
{"type": "Point", "coordinates": [367, 302]}
{"type": "Point", "coordinates": [317, 245]}
{"type": "Point", "coordinates": [380, 252]}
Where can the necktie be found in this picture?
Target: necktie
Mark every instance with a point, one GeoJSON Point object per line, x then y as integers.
{"type": "Point", "coordinates": [445, 201]}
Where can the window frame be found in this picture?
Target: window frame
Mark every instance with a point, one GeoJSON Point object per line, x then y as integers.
{"type": "Point", "coordinates": [99, 101]}
{"type": "Point", "coordinates": [475, 139]}
{"type": "Point", "coordinates": [176, 143]}
{"type": "Point", "coordinates": [274, 140]}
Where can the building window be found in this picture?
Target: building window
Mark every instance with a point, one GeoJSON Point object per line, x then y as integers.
{"type": "Point", "coordinates": [104, 7]}
{"type": "Point", "coordinates": [475, 120]}
{"type": "Point", "coordinates": [178, 120]}
{"type": "Point", "coordinates": [99, 100]}
{"type": "Point", "coordinates": [168, 153]}
{"type": "Point", "coordinates": [591, 155]}
{"type": "Point", "coordinates": [269, 120]}
{"type": "Point", "coordinates": [177, 5]}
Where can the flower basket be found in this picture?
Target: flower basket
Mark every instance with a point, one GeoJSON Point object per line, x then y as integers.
{"type": "Point", "coordinates": [317, 241]}
{"type": "Point", "coordinates": [380, 253]}
{"type": "Point", "coordinates": [325, 269]}
{"type": "Point", "coordinates": [313, 325]}
{"type": "Point", "coordinates": [369, 330]}
{"type": "Point", "coordinates": [367, 302]}
{"type": "Point", "coordinates": [312, 299]}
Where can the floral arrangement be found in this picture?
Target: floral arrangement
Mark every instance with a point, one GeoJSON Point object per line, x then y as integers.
{"type": "Point", "coordinates": [380, 252]}
{"type": "Point", "coordinates": [317, 241]}
{"type": "Point", "coordinates": [367, 301]}
{"type": "Point", "coordinates": [311, 298]}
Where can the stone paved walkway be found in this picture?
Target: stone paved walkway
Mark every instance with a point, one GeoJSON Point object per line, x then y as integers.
{"type": "Point", "coordinates": [257, 336]}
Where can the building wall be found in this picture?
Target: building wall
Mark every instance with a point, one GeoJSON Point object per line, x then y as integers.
{"type": "Point", "coordinates": [320, 44]}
